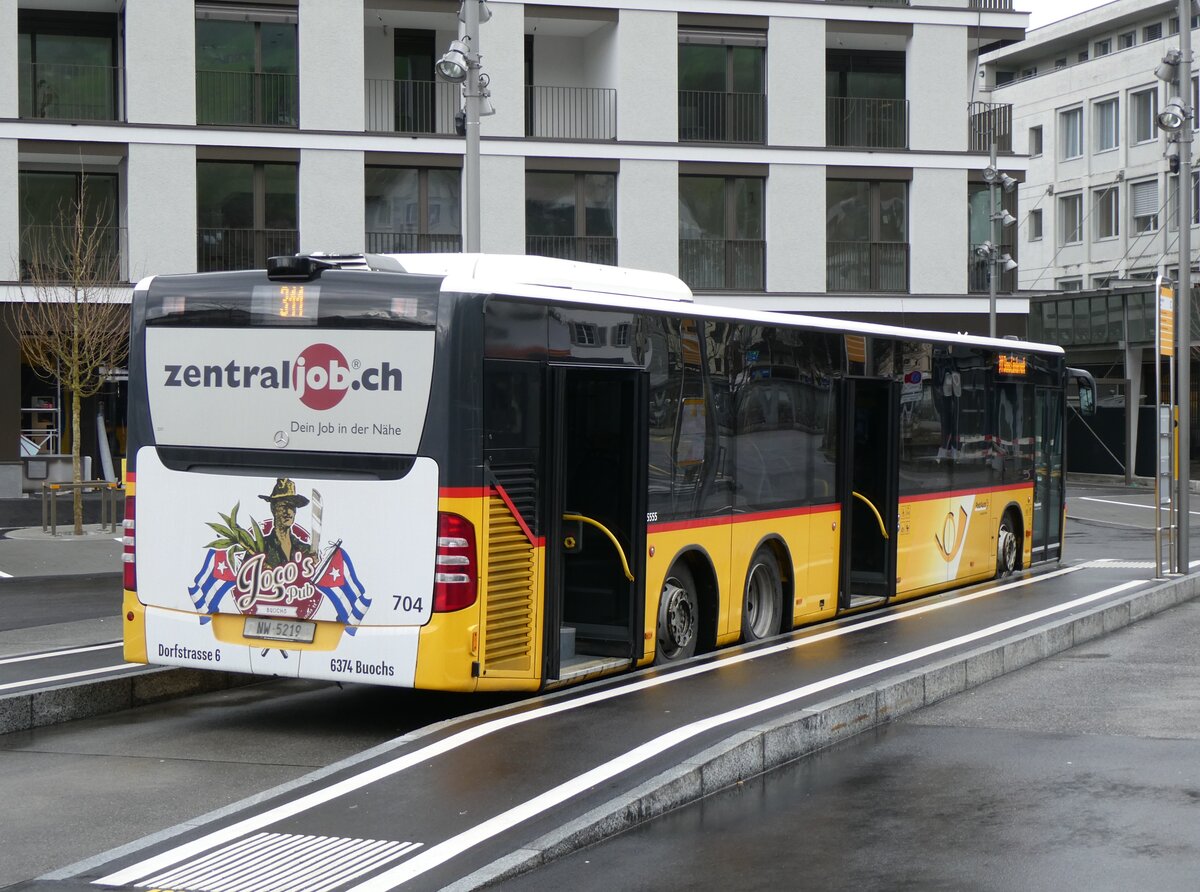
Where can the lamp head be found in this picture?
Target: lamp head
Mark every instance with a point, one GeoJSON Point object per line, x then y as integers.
{"type": "Point", "coordinates": [485, 14]}
{"type": "Point", "coordinates": [454, 65]}
{"type": "Point", "coordinates": [1168, 68]}
{"type": "Point", "coordinates": [1007, 263]}
{"type": "Point", "coordinates": [1173, 116]}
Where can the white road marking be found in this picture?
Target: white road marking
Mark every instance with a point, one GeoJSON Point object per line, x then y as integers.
{"type": "Point", "coordinates": [60, 653]}
{"type": "Point", "coordinates": [163, 860]}
{"type": "Point", "coordinates": [456, 845]}
{"type": "Point", "coordinates": [1124, 504]}
{"type": "Point", "coordinates": [13, 685]}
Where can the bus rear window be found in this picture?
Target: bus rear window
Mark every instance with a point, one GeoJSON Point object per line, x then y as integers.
{"type": "Point", "coordinates": [338, 299]}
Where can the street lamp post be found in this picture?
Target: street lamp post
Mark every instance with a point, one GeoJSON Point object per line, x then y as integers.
{"type": "Point", "coordinates": [461, 65]}
{"type": "Point", "coordinates": [997, 219]}
{"type": "Point", "coordinates": [1177, 119]}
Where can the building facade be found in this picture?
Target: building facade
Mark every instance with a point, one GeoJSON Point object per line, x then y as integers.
{"type": "Point", "coordinates": [1097, 198]}
{"type": "Point", "coordinates": [819, 157]}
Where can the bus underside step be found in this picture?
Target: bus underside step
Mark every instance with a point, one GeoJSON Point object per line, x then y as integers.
{"type": "Point", "coordinates": [858, 601]}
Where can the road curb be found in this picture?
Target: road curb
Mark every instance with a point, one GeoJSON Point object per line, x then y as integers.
{"type": "Point", "coordinates": [86, 699]}
{"type": "Point", "coordinates": [773, 744]}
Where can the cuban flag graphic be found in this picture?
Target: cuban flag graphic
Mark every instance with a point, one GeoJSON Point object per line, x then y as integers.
{"type": "Point", "coordinates": [213, 582]}
{"type": "Point", "coordinates": [338, 582]}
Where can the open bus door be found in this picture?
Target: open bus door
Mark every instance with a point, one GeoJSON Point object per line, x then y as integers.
{"type": "Point", "coordinates": [869, 490]}
{"type": "Point", "coordinates": [595, 501]}
{"type": "Point", "coordinates": [1048, 491]}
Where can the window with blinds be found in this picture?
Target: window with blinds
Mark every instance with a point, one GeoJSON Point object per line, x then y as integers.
{"type": "Point", "coordinates": [1143, 203]}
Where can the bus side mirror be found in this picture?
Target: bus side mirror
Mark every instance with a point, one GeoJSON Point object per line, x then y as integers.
{"type": "Point", "coordinates": [1087, 400]}
{"type": "Point", "coordinates": [1087, 390]}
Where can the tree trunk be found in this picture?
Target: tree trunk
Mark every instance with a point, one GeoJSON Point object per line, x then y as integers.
{"type": "Point", "coordinates": [76, 470]}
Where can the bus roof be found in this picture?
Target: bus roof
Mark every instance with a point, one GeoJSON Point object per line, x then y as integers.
{"type": "Point", "coordinates": [503, 272]}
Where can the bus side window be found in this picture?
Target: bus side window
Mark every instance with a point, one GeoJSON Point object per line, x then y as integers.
{"type": "Point", "coordinates": [511, 406]}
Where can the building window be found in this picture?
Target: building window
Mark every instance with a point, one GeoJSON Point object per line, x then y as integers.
{"type": "Point", "coordinates": [47, 204]}
{"type": "Point", "coordinates": [865, 103]}
{"type": "Point", "coordinates": [246, 212]}
{"type": "Point", "coordinates": [1083, 55]}
{"type": "Point", "coordinates": [1035, 141]}
{"type": "Point", "coordinates": [722, 85]}
{"type": "Point", "coordinates": [1103, 47]}
{"type": "Point", "coordinates": [1143, 110]}
{"type": "Point", "coordinates": [1104, 123]}
{"type": "Point", "coordinates": [1068, 284]}
{"type": "Point", "coordinates": [1028, 72]}
{"type": "Point", "coordinates": [1106, 209]}
{"type": "Point", "coordinates": [1102, 280]}
{"type": "Point", "coordinates": [246, 66]}
{"type": "Point", "coordinates": [722, 245]}
{"type": "Point", "coordinates": [571, 215]}
{"type": "Point", "coordinates": [1035, 225]}
{"type": "Point", "coordinates": [1070, 125]}
{"type": "Point", "coordinates": [67, 65]}
{"type": "Point", "coordinates": [1153, 32]}
{"type": "Point", "coordinates": [1173, 25]}
{"type": "Point", "coordinates": [1143, 199]}
{"type": "Point", "coordinates": [1070, 219]}
{"type": "Point", "coordinates": [866, 235]}
{"type": "Point", "coordinates": [413, 210]}
{"type": "Point", "coordinates": [1126, 40]}
{"type": "Point", "coordinates": [1060, 63]}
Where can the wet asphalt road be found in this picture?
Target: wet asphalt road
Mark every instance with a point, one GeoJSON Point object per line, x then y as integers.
{"type": "Point", "coordinates": [1079, 772]}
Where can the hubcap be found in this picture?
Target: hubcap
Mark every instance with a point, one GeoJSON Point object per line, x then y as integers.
{"type": "Point", "coordinates": [758, 596]}
{"type": "Point", "coordinates": [1007, 548]}
{"type": "Point", "coordinates": [680, 618]}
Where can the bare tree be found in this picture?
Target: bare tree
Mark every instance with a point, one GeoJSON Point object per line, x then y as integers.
{"type": "Point", "coordinates": [73, 325]}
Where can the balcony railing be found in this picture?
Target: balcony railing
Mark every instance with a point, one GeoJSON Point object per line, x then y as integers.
{"type": "Point", "coordinates": [250, 98]}
{"type": "Point", "coordinates": [1000, 5]}
{"type": "Point", "coordinates": [980, 269]}
{"type": "Point", "coordinates": [706, 116]}
{"type": "Point", "coordinates": [413, 243]}
{"type": "Point", "coordinates": [585, 248]}
{"type": "Point", "coordinates": [411, 106]}
{"type": "Point", "coordinates": [583, 113]}
{"type": "Point", "coordinates": [228, 249]}
{"type": "Point", "coordinates": [866, 123]}
{"type": "Point", "coordinates": [69, 92]}
{"type": "Point", "coordinates": [715, 264]}
{"type": "Point", "coordinates": [866, 266]}
{"type": "Point", "coordinates": [988, 120]}
{"type": "Point", "coordinates": [52, 253]}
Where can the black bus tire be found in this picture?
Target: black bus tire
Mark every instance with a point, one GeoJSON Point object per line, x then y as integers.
{"type": "Point", "coordinates": [678, 616]}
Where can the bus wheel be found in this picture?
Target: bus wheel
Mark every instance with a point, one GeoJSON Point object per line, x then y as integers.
{"type": "Point", "coordinates": [763, 598]}
{"type": "Point", "coordinates": [678, 616]}
{"type": "Point", "coordinates": [1007, 556]}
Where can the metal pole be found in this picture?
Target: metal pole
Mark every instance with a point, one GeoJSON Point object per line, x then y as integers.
{"type": "Point", "coordinates": [994, 256]}
{"type": "Point", "coordinates": [1183, 296]}
{"type": "Point", "coordinates": [471, 107]}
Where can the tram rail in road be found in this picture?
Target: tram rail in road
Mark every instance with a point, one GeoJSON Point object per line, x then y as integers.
{"type": "Point", "coordinates": [436, 808]}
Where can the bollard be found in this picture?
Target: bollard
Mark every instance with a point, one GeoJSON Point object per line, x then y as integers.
{"type": "Point", "coordinates": [53, 509]}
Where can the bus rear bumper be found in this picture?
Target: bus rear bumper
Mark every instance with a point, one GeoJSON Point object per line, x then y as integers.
{"type": "Point", "coordinates": [375, 655]}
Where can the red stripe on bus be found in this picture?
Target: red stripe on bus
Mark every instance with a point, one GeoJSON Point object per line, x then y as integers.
{"type": "Point", "coordinates": [957, 493]}
{"type": "Point", "coordinates": [536, 541]}
{"type": "Point", "coordinates": [672, 525]}
{"type": "Point", "coordinates": [463, 492]}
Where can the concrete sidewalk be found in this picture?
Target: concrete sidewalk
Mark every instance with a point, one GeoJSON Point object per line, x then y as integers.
{"type": "Point", "coordinates": [30, 552]}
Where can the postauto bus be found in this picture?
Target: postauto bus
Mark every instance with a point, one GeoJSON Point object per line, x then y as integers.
{"type": "Point", "coordinates": [474, 472]}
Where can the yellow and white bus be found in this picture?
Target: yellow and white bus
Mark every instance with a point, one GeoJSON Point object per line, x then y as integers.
{"type": "Point", "coordinates": [474, 472]}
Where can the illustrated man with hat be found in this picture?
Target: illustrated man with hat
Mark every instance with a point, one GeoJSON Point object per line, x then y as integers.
{"type": "Point", "coordinates": [282, 545]}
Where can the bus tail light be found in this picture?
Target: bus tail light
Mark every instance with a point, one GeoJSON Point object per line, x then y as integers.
{"type": "Point", "coordinates": [455, 574]}
{"type": "Point", "coordinates": [129, 546]}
